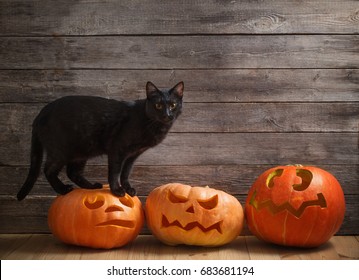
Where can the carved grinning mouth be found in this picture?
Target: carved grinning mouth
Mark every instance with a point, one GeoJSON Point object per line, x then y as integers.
{"type": "Point", "coordinates": [189, 226]}
{"type": "Point", "coordinates": [274, 209]}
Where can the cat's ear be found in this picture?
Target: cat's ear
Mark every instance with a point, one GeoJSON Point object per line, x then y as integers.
{"type": "Point", "coordinates": [151, 89]}
{"type": "Point", "coordinates": [178, 89]}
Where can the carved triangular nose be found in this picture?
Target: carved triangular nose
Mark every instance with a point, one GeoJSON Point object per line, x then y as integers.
{"type": "Point", "coordinates": [190, 209]}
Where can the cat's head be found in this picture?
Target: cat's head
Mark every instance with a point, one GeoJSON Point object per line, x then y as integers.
{"type": "Point", "coordinates": [164, 105]}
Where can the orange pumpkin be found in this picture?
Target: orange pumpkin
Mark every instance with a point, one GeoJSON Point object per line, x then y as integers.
{"type": "Point", "coordinates": [95, 218]}
{"type": "Point", "coordinates": [181, 214]}
{"type": "Point", "coordinates": [299, 206]}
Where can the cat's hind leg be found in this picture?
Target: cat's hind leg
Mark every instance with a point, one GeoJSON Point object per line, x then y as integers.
{"type": "Point", "coordinates": [52, 170]}
{"type": "Point", "coordinates": [75, 171]}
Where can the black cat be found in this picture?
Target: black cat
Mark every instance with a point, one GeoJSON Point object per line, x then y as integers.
{"type": "Point", "coordinates": [73, 129]}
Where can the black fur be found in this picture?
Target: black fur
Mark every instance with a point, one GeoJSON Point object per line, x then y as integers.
{"type": "Point", "coordinates": [73, 129]}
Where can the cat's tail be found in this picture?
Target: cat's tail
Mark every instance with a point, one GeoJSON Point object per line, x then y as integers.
{"type": "Point", "coordinates": [35, 167]}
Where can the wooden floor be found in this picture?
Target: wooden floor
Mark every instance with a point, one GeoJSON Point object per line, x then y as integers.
{"type": "Point", "coordinates": [45, 246]}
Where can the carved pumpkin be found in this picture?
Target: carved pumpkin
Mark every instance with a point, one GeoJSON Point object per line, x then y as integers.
{"type": "Point", "coordinates": [299, 206]}
{"type": "Point", "coordinates": [95, 218]}
{"type": "Point", "coordinates": [181, 214]}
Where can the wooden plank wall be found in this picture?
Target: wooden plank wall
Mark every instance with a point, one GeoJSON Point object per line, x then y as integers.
{"type": "Point", "coordinates": [266, 83]}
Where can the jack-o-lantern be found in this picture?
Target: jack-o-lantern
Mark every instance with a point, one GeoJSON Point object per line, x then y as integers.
{"type": "Point", "coordinates": [95, 218]}
{"type": "Point", "coordinates": [181, 214]}
{"type": "Point", "coordinates": [300, 206]}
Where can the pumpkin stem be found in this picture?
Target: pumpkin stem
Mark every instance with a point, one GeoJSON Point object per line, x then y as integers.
{"type": "Point", "coordinates": [296, 165]}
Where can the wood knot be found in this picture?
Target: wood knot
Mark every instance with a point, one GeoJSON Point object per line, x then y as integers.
{"type": "Point", "coordinates": [266, 23]}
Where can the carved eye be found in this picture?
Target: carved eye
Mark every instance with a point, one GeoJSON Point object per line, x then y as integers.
{"type": "Point", "coordinates": [176, 199]}
{"type": "Point", "coordinates": [210, 203]}
{"type": "Point", "coordinates": [173, 106]}
{"type": "Point", "coordinates": [95, 203]}
{"type": "Point", "coordinates": [306, 177]}
{"type": "Point", "coordinates": [158, 106]}
{"type": "Point", "coordinates": [270, 178]}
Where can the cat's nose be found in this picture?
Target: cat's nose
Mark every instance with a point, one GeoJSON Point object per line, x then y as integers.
{"type": "Point", "coordinates": [168, 118]}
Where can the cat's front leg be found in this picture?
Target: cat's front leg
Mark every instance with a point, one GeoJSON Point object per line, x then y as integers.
{"type": "Point", "coordinates": [126, 170]}
{"type": "Point", "coordinates": [115, 165]}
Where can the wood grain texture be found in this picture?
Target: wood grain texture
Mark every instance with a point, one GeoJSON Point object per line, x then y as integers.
{"type": "Point", "coordinates": [226, 117]}
{"type": "Point", "coordinates": [222, 148]}
{"type": "Point", "coordinates": [44, 246]}
{"type": "Point", "coordinates": [178, 52]}
{"type": "Point", "coordinates": [201, 86]}
{"type": "Point", "coordinates": [266, 83]}
{"type": "Point", "coordinates": [173, 17]}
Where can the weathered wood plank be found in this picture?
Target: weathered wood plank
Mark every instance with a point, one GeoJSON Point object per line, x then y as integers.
{"type": "Point", "coordinates": [351, 220]}
{"type": "Point", "coordinates": [222, 149]}
{"type": "Point", "coordinates": [177, 17]}
{"type": "Point", "coordinates": [202, 86]}
{"type": "Point", "coordinates": [269, 117]}
{"type": "Point", "coordinates": [47, 247]}
{"type": "Point", "coordinates": [30, 215]}
{"type": "Point", "coordinates": [347, 247]}
{"type": "Point", "coordinates": [174, 52]}
{"type": "Point", "coordinates": [259, 250]}
{"type": "Point", "coordinates": [234, 179]}
{"type": "Point", "coordinates": [226, 117]}
{"type": "Point", "coordinates": [255, 148]}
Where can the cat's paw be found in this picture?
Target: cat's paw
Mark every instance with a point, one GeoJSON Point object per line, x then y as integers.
{"type": "Point", "coordinates": [118, 192]}
{"type": "Point", "coordinates": [127, 186]}
{"type": "Point", "coordinates": [131, 191]}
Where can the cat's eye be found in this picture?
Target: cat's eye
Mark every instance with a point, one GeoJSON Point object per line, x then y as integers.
{"type": "Point", "coordinates": [158, 106]}
{"type": "Point", "coordinates": [173, 106]}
